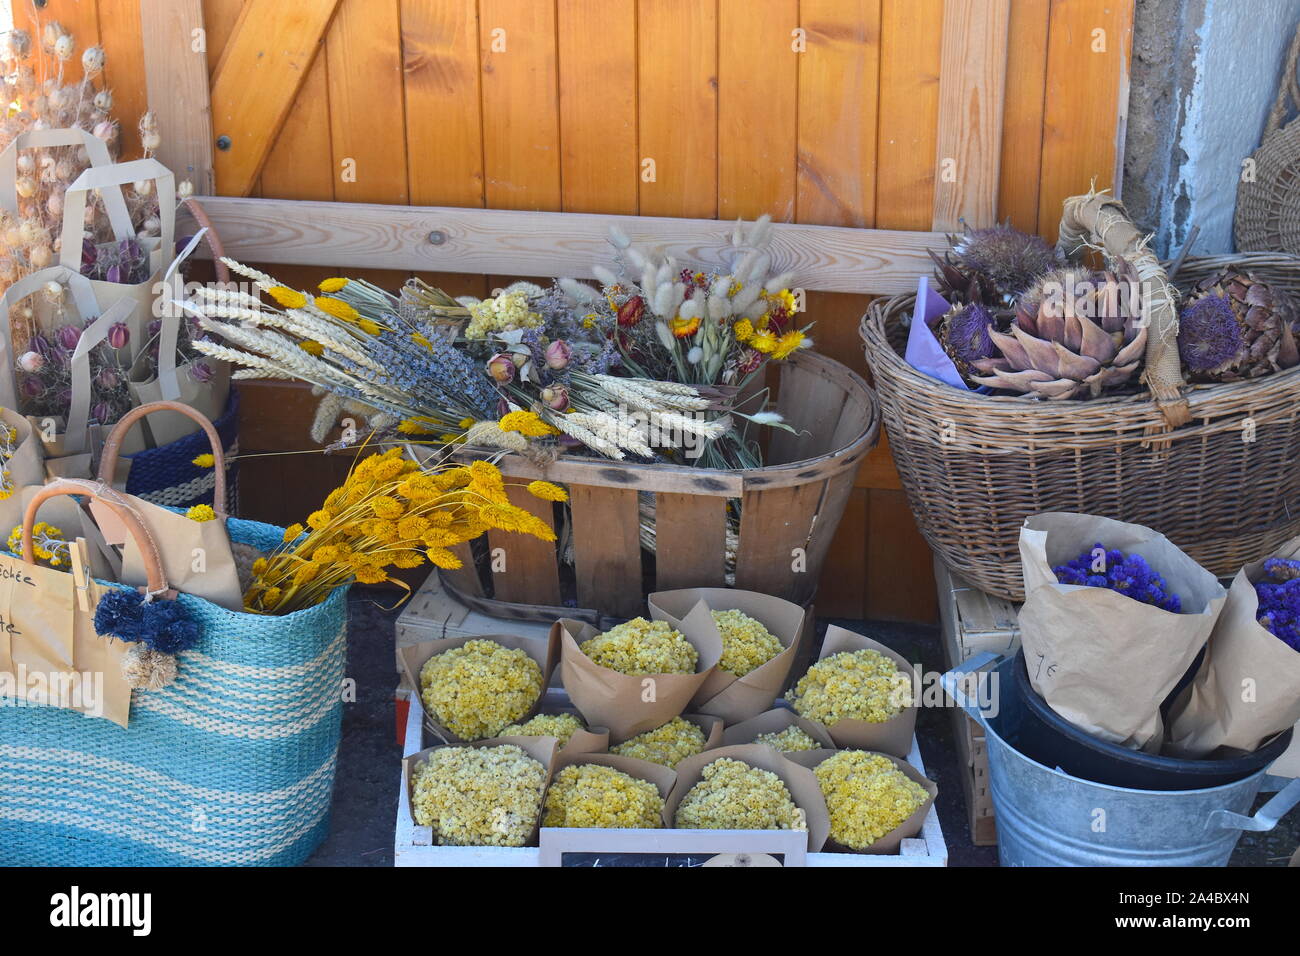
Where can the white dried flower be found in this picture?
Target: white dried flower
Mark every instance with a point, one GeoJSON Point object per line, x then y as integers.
{"type": "Point", "coordinates": [694, 355]}
{"type": "Point", "coordinates": [604, 276]}
{"type": "Point", "coordinates": [618, 239]}
{"type": "Point", "coordinates": [766, 418]}
{"type": "Point", "coordinates": [31, 362]}
{"type": "Point", "coordinates": [142, 187]}
{"type": "Point", "coordinates": [185, 189]}
{"type": "Point", "coordinates": [107, 131]}
{"type": "Point", "coordinates": [41, 257]}
{"type": "Point", "coordinates": [92, 60]}
{"type": "Point", "coordinates": [26, 163]}
{"type": "Point", "coordinates": [103, 101]}
{"type": "Point", "coordinates": [25, 186]}
{"type": "Point", "coordinates": [779, 282]}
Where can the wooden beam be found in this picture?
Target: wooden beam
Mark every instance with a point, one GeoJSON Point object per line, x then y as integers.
{"type": "Point", "coordinates": [261, 70]}
{"type": "Point", "coordinates": [506, 242]}
{"type": "Point", "coordinates": [972, 92]}
{"type": "Point", "coordinates": [176, 77]}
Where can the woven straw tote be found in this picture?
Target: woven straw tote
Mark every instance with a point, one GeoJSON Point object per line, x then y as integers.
{"type": "Point", "coordinates": [232, 764]}
{"type": "Point", "coordinates": [1216, 468]}
{"type": "Point", "coordinates": [1268, 197]}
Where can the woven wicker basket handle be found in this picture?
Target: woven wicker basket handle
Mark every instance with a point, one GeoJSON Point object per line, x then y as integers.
{"type": "Point", "coordinates": [1100, 220]}
{"type": "Point", "coordinates": [214, 241]}
{"type": "Point", "coordinates": [155, 580]}
{"type": "Point", "coordinates": [1288, 90]}
{"type": "Point", "coordinates": [113, 446]}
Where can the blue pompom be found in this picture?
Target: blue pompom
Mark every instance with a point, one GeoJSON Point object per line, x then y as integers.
{"type": "Point", "coordinates": [160, 625]}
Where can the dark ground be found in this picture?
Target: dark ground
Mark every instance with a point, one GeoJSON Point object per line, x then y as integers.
{"type": "Point", "coordinates": [365, 790]}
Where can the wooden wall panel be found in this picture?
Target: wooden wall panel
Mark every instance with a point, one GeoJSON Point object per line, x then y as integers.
{"type": "Point", "coordinates": [737, 121]}
{"type": "Point", "coordinates": [123, 42]}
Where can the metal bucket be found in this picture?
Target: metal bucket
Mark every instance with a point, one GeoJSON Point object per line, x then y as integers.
{"type": "Point", "coordinates": [1049, 818]}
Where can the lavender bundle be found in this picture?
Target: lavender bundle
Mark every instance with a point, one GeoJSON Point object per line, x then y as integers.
{"type": "Point", "coordinates": [1129, 574]}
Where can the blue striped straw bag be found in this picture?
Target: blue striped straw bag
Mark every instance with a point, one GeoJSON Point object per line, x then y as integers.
{"type": "Point", "coordinates": [231, 764]}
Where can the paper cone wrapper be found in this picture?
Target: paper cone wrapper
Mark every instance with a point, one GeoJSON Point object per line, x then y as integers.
{"type": "Point", "coordinates": [890, 842]}
{"type": "Point", "coordinates": [1247, 689]}
{"type": "Point", "coordinates": [892, 736]}
{"type": "Point", "coordinates": [773, 722]}
{"type": "Point", "coordinates": [662, 777]}
{"type": "Point", "coordinates": [1101, 660]}
{"type": "Point", "coordinates": [630, 704]}
{"type": "Point", "coordinates": [730, 697]}
{"type": "Point", "coordinates": [541, 749]}
{"type": "Point", "coordinates": [542, 650]}
{"type": "Point", "coordinates": [800, 781]}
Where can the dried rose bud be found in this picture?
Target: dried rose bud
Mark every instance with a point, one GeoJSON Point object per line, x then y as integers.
{"type": "Point", "coordinates": [68, 336]}
{"type": "Point", "coordinates": [556, 397]}
{"type": "Point", "coordinates": [31, 361]}
{"type": "Point", "coordinates": [502, 368]}
{"type": "Point", "coordinates": [630, 312]}
{"type": "Point", "coordinates": [558, 354]}
{"type": "Point", "coordinates": [118, 335]}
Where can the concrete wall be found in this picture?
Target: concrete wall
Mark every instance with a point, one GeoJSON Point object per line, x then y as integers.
{"type": "Point", "coordinates": [1204, 76]}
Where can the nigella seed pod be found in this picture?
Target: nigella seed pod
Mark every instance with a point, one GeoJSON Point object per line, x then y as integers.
{"type": "Point", "coordinates": [201, 372]}
{"type": "Point", "coordinates": [68, 336]}
{"type": "Point", "coordinates": [556, 397]}
{"type": "Point", "coordinates": [103, 102]}
{"type": "Point", "coordinates": [184, 189]}
{"type": "Point", "coordinates": [501, 368]}
{"type": "Point", "coordinates": [33, 387]}
{"type": "Point", "coordinates": [92, 60]}
{"type": "Point", "coordinates": [119, 335]}
{"type": "Point", "coordinates": [31, 362]}
{"type": "Point", "coordinates": [107, 131]}
{"type": "Point", "coordinates": [41, 257]}
{"type": "Point", "coordinates": [142, 187]}
{"type": "Point", "coordinates": [41, 345]}
{"type": "Point", "coordinates": [63, 47]}
{"type": "Point", "coordinates": [89, 254]}
{"type": "Point", "coordinates": [107, 378]}
{"type": "Point", "coordinates": [101, 412]}
{"type": "Point", "coordinates": [25, 186]}
{"type": "Point", "coordinates": [558, 354]}
{"type": "Point", "coordinates": [114, 274]}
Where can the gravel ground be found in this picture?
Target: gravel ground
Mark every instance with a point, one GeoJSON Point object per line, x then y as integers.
{"type": "Point", "coordinates": [365, 790]}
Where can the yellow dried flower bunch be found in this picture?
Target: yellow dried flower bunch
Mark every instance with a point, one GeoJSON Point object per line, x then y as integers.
{"type": "Point", "coordinates": [639, 647]}
{"type": "Point", "coordinates": [789, 740]}
{"type": "Point", "coordinates": [560, 726]}
{"type": "Point", "coordinates": [867, 796]}
{"type": "Point", "coordinates": [746, 643]}
{"type": "Point", "coordinates": [478, 796]}
{"type": "Point", "coordinates": [592, 795]}
{"type": "Point", "coordinates": [390, 513]}
{"type": "Point", "coordinates": [476, 689]}
{"type": "Point", "coordinates": [8, 448]}
{"type": "Point", "coordinates": [48, 544]}
{"type": "Point", "coordinates": [852, 685]}
{"type": "Point", "coordinates": [502, 314]}
{"type": "Point", "coordinates": [668, 745]}
{"type": "Point", "coordinates": [732, 795]}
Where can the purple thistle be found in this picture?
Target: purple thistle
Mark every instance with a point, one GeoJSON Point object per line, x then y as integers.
{"type": "Point", "coordinates": [1128, 574]}
{"type": "Point", "coordinates": [968, 334]}
{"type": "Point", "coordinates": [1208, 333]}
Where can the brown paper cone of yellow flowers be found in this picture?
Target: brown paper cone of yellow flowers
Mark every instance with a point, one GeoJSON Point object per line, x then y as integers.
{"type": "Point", "coordinates": [737, 697]}
{"type": "Point", "coordinates": [629, 704]}
{"type": "Point", "coordinates": [778, 721]}
{"type": "Point", "coordinates": [888, 842]}
{"type": "Point", "coordinates": [662, 778]}
{"type": "Point", "coordinates": [481, 701]}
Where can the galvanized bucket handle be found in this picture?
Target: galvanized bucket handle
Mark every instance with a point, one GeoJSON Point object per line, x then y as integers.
{"type": "Point", "coordinates": [951, 683]}
{"type": "Point", "coordinates": [1267, 816]}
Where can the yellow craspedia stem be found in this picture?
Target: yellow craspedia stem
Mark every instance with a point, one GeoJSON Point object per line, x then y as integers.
{"type": "Point", "coordinates": [867, 796]}
{"type": "Point", "coordinates": [639, 647]}
{"type": "Point", "coordinates": [201, 513]}
{"type": "Point", "coordinates": [288, 298]}
{"type": "Point", "coordinates": [592, 795]}
{"type": "Point", "coordinates": [337, 308]}
{"type": "Point", "coordinates": [857, 685]}
{"type": "Point", "coordinates": [332, 285]}
{"type": "Point", "coordinates": [547, 491]}
{"type": "Point", "coordinates": [478, 796]}
{"type": "Point", "coordinates": [476, 689]}
{"type": "Point", "coordinates": [731, 795]}
{"type": "Point", "coordinates": [206, 460]}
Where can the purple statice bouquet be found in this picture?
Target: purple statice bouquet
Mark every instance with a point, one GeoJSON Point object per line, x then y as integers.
{"type": "Point", "coordinates": [1129, 574]}
{"type": "Point", "coordinates": [1279, 600]}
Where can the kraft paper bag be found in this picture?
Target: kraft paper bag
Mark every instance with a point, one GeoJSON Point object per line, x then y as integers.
{"type": "Point", "coordinates": [196, 555]}
{"type": "Point", "coordinates": [803, 786]}
{"type": "Point", "coordinates": [730, 697]}
{"type": "Point", "coordinates": [662, 777]}
{"type": "Point", "coordinates": [1247, 689]}
{"type": "Point", "coordinates": [630, 704]}
{"type": "Point", "coordinates": [1103, 661]}
{"type": "Point", "coordinates": [890, 842]}
{"type": "Point", "coordinates": [541, 749]}
{"type": "Point", "coordinates": [545, 651]}
{"type": "Point", "coordinates": [773, 722]}
{"type": "Point", "coordinates": [49, 651]}
{"type": "Point", "coordinates": [892, 736]}
{"type": "Point", "coordinates": [24, 468]}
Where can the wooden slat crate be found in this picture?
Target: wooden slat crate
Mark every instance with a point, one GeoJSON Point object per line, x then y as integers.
{"type": "Point", "coordinates": [973, 622]}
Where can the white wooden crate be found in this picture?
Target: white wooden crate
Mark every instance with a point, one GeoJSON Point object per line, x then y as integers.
{"type": "Point", "coordinates": [412, 843]}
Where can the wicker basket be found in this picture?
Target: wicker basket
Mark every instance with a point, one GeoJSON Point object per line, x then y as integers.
{"type": "Point", "coordinates": [1216, 468]}
{"type": "Point", "coordinates": [789, 512]}
{"type": "Point", "coordinates": [1268, 205]}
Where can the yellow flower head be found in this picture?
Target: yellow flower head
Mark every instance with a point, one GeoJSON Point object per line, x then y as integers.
{"type": "Point", "coordinates": [787, 344]}
{"type": "Point", "coordinates": [407, 559]}
{"type": "Point", "coordinates": [684, 328]}
{"type": "Point", "coordinates": [386, 506]}
{"type": "Point", "coordinates": [289, 298]}
{"type": "Point", "coordinates": [528, 424]}
{"type": "Point", "coordinates": [743, 330]}
{"type": "Point", "coordinates": [442, 558]}
{"type": "Point", "coordinates": [412, 527]}
{"type": "Point", "coordinates": [318, 520]}
{"type": "Point", "coordinates": [204, 461]}
{"type": "Point", "coordinates": [547, 491]}
{"type": "Point", "coordinates": [765, 342]}
{"type": "Point", "coordinates": [271, 597]}
{"type": "Point", "coordinates": [415, 426]}
{"type": "Point", "coordinates": [369, 326]}
{"type": "Point", "coordinates": [419, 339]}
{"type": "Point", "coordinates": [292, 532]}
{"type": "Point", "coordinates": [312, 348]}
{"type": "Point", "coordinates": [337, 308]}
{"type": "Point", "coordinates": [201, 513]}
{"type": "Point", "coordinates": [325, 554]}
{"type": "Point", "coordinates": [306, 574]}
{"type": "Point", "coordinates": [371, 574]}
{"type": "Point", "coordinates": [259, 567]}
{"type": "Point", "coordinates": [330, 286]}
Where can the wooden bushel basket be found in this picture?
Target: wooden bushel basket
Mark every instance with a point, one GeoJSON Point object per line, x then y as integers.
{"type": "Point", "coordinates": [789, 511]}
{"type": "Point", "coordinates": [1215, 468]}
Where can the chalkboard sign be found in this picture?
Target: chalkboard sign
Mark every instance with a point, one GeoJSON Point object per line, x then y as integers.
{"type": "Point", "coordinates": [670, 848]}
